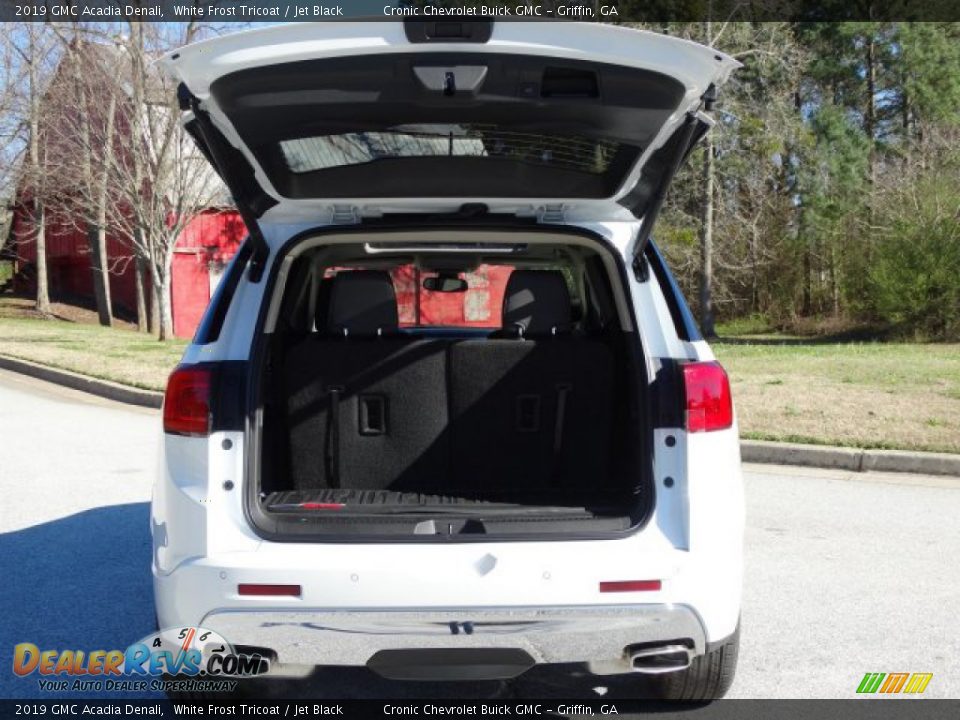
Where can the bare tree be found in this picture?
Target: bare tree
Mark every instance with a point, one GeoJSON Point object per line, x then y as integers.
{"type": "Point", "coordinates": [11, 135]}
{"type": "Point", "coordinates": [82, 131]}
{"type": "Point", "coordinates": [34, 48]}
{"type": "Point", "coordinates": [162, 180]}
{"type": "Point", "coordinates": [706, 242]}
{"type": "Point", "coordinates": [123, 161]}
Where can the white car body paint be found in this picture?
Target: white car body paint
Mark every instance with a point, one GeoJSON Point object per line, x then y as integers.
{"type": "Point", "coordinates": [204, 545]}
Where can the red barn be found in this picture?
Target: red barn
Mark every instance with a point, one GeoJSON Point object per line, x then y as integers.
{"type": "Point", "coordinates": [202, 251]}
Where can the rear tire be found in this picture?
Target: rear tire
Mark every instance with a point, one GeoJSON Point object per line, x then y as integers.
{"type": "Point", "coordinates": [709, 676]}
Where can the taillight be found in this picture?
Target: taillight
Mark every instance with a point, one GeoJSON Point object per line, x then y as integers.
{"type": "Point", "coordinates": [186, 404]}
{"type": "Point", "coordinates": [708, 402]}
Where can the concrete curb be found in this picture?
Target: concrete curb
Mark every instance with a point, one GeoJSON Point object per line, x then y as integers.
{"type": "Point", "coordinates": [752, 451]}
{"type": "Point", "coordinates": [841, 458]}
{"type": "Point", "coordinates": [102, 388]}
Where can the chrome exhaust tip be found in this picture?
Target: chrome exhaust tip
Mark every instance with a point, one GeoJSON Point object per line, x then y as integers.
{"type": "Point", "coordinates": [662, 659]}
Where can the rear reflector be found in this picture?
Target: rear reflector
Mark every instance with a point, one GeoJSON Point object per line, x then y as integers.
{"type": "Point", "coordinates": [708, 402]}
{"type": "Point", "coordinates": [321, 506]}
{"type": "Point", "coordinates": [269, 590]}
{"type": "Point", "coordinates": [186, 404]}
{"type": "Point", "coordinates": [630, 586]}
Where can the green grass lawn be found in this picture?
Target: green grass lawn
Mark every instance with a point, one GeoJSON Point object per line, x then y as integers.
{"type": "Point", "coordinates": [879, 395]}
{"type": "Point", "coordinates": [876, 395]}
{"type": "Point", "coordinates": [121, 355]}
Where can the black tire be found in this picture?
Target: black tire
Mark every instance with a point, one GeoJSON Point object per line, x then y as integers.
{"type": "Point", "coordinates": [709, 676]}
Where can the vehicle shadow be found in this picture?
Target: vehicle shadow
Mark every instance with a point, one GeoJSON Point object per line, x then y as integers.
{"type": "Point", "coordinates": [350, 683]}
{"type": "Point", "coordinates": [80, 582]}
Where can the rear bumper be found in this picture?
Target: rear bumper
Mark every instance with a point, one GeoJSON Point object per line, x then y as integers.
{"type": "Point", "coordinates": [599, 636]}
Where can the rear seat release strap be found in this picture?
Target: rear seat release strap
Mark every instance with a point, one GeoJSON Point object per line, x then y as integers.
{"type": "Point", "coordinates": [563, 390]}
{"type": "Point", "coordinates": [333, 450]}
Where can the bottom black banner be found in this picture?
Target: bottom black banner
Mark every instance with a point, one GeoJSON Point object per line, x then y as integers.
{"type": "Point", "coordinates": [876, 709]}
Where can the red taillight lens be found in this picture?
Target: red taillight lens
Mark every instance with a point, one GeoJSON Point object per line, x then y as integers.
{"type": "Point", "coordinates": [709, 405]}
{"type": "Point", "coordinates": [269, 590]}
{"type": "Point", "coordinates": [186, 404]}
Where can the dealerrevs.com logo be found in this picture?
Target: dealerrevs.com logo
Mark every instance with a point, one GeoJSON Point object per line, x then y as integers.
{"type": "Point", "coordinates": [185, 659]}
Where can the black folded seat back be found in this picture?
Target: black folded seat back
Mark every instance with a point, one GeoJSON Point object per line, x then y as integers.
{"type": "Point", "coordinates": [531, 408]}
{"type": "Point", "coordinates": [366, 407]}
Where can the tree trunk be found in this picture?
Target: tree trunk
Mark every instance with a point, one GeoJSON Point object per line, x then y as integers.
{"type": "Point", "coordinates": [806, 248]}
{"type": "Point", "coordinates": [105, 308]}
{"type": "Point", "coordinates": [834, 280]}
{"type": "Point", "coordinates": [706, 244]}
{"type": "Point", "coordinates": [92, 200]}
{"type": "Point", "coordinates": [153, 318]}
{"type": "Point", "coordinates": [754, 269]}
{"type": "Point", "coordinates": [145, 260]}
{"type": "Point", "coordinates": [166, 305]}
{"type": "Point", "coordinates": [36, 178]}
{"type": "Point", "coordinates": [160, 275]}
{"type": "Point", "coordinates": [143, 320]}
{"type": "Point", "coordinates": [97, 239]}
{"type": "Point", "coordinates": [870, 114]}
{"type": "Point", "coordinates": [104, 304]}
{"type": "Point", "coordinates": [43, 288]}
{"type": "Point", "coordinates": [905, 116]}
{"type": "Point", "coordinates": [800, 210]}
{"type": "Point", "coordinates": [166, 313]}
{"type": "Point", "coordinates": [870, 126]}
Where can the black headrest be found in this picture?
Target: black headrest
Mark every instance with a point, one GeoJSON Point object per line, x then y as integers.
{"type": "Point", "coordinates": [362, 302]}
{"type": "Point", "coordinates": [536, 302]}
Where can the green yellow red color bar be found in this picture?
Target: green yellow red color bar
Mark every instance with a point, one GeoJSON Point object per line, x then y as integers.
{"type": "Point", "coordinates": [910, 683]}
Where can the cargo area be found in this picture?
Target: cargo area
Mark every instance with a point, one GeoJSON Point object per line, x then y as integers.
{"type": "Point", "coordinates": [450, 389]}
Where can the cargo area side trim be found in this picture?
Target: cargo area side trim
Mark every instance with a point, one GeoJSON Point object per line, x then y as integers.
{"type": "Point", "coordinates": [268, 525]}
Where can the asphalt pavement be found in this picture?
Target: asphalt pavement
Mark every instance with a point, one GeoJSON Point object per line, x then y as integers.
{"type": "Point", "coordinates": [847, 573]}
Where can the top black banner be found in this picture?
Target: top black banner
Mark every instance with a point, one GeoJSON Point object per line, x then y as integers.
{"type": "Point", "coordinates": [616, 11]}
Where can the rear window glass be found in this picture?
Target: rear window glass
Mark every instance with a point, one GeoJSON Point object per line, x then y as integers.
{"type": "Point", "coordinates": [480, 306]}
{"type": "Point", "coordinates": [322, 152]}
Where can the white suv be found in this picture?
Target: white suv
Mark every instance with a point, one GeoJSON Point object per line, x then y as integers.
{"type": "Point", "coordinates": [448, 415]}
